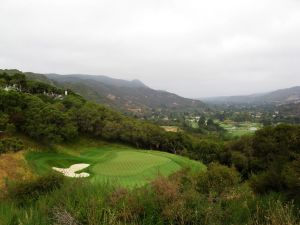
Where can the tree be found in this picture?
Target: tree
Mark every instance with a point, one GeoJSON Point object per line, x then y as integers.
{"type": "Point", "coordinates": [4, 119]}
{"type": "Point", "coordinates": [207, 151]}
{"type": "Point", "coordinates": [19, 80]}
{"type": "Point", "coordinates": [202, 121]}
{"type": "Point", "coordinates": [217, 180]}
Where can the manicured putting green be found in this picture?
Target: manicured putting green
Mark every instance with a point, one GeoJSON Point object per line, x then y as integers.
{"type": "Point", "coordinates": [123, 165]}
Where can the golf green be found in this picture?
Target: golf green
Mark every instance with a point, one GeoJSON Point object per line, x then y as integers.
{"type": "Point", "coordinates": [123, 165]}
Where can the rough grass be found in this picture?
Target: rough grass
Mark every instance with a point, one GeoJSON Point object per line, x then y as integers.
{"type": "Point", "coordinates": [13, 166]}
{"type": "Point", "coordinates": [116, 163]}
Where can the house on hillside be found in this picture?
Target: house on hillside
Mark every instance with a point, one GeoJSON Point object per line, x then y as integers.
{"type": "Point", "coordinates": [11, 87]}
{"type": "Point", "coordinates": [8, 88]}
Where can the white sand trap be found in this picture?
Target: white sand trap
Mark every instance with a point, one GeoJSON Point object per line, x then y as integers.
{"type": "Point", "coordinates": [253, 129]}
{"type": "Point", "coordinates": [71, 171]}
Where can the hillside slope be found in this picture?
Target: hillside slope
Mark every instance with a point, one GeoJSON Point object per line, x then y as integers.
{"type": "Point", "coordinates": [277, 97]}
{"type": "Point", "coordinates": [131, 96]}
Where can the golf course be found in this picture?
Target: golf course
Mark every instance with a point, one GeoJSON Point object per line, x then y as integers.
{"type": "Point", "coordinates": [116, 164]}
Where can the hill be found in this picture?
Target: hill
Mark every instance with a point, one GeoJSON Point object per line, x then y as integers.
{"type": "Point", "coordinates": [277, 97]}
{"type": "Point", "coordinates": [50, 114]}
{"type": "Point", "coordinates": [128, 96]}
{"type": "Point", "coordinates": [133, 97]}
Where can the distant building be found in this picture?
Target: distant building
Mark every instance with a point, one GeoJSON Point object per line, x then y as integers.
{"type": "Point", "coordinates": [66, 93]}
{"type": "Point", "coordinates": [12, 87]}
{"type": "Point", "coordinates": [9, 88]}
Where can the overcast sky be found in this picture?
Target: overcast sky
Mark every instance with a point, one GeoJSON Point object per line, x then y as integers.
{"type": "Point", "coordinates": [194, 48]}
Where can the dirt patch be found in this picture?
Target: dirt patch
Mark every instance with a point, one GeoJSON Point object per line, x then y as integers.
{"type": "Point", "coordinates": [171, 128]}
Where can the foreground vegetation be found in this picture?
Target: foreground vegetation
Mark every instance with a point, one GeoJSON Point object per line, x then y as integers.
{"type": "Point", "coordinates": [212, 197]}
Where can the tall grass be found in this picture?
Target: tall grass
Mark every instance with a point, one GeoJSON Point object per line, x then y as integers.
{"type": "Point", "coordinates": [165, 201]}
{"type": "Point", "coordinates": [272, 211]}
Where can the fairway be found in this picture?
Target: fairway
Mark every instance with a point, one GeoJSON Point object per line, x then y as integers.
{"type": "Point", "coordinates": [122, 165]}
{"type": "Point", "coordinates": [239, 128]}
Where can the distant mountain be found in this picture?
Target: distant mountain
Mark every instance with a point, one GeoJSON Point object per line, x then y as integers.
{"type": "Point", "coordinates": [278, 97]}
{"type": "Point", "coordinates": [39, 77]}
{"type": "Point", "coordinates": [291, 109]}
{"type": "Point", "coordinates": [100, 78]}
{"type": "Point", "coordinates": [129, 96]}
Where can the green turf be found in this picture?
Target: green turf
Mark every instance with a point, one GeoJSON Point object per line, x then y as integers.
{"type": "Point", "coordinates": [121, 164]}
{"type": "Point", "coordinates": [239, 128]}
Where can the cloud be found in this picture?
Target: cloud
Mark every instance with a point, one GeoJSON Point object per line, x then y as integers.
{"type": "Point", "coordinates": [193, 48]}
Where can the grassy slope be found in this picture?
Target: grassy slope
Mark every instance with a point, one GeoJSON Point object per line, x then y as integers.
{"type": "Point", "coordinates": [113, 163]}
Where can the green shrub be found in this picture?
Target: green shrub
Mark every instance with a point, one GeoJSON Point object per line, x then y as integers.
{"type": "Point", "coordinates": [30, 190]}
{"type": "Point", "coordinates": [217, 179]}
{"type": "Point", "coordinates": [10, 128]}
{"type": "Point", "coordinates": [275, 212]}
{"type": "Point", "coordinates": [266, 182]}
{"type": "Point", "coordinates": [291, 176]}
{"type": "Point", "coordinates": [10, 145]}
{"type": "Point", "coordinates": [4, 119]}
{"type": "Point", "coordinates": [207, 151]}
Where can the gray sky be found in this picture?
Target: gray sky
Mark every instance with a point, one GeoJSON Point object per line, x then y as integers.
{"type": "Point", "coordinates": [194, 48]}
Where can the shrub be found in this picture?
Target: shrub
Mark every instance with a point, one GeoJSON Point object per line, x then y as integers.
{"type": "Point", "coordinates": [266, 182]}
{"type": "Point", "coordinates": [10, 145]}
{"type": "Point", "coordinates": [275, 213]}
{"type": "Point", "coordinates": [207, 151]}
{"type": "Point", "coordinates": [31, 190]}
{"type": "Point", "coordinates": [10, 128]}
{"type": "Point", "coordinates": [217, 179]}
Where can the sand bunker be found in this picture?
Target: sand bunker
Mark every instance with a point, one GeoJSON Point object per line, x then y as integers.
{"type": "Point", "coordinates": [71, 171]}
{"type": "Point", "coordinates": [253, 129]}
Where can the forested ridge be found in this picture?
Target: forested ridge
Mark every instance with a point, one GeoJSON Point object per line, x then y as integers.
{"type": "Point", "coordinates": [54, 115]}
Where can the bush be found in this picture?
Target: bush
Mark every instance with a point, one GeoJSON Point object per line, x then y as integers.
{"type": "Point", "coordinates": [28, 191]}
{"type": "Point", "coordinates": [207, 151]}
{"type": "Point", "coordinates": [10, 128]}
{"type": "Point", "coordinates": [266, 182]}
{"type": "Point", "coordinates": [275, 213]}
{"type": "Point", "coordinates": [10, 145]}
{"type": "Point", "coordinates": [291, 175]}
{"type": "Point", "coordinates": [217, 179]}
{"type": "Point", "coordinates": [4, 119]}
{"type": "Point", "coordinates": [240, 161]}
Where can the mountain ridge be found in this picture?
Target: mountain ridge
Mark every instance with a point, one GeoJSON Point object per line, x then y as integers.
{"type": "Point", "coordinates": [132, 97]}
{"type": "Point", "coordinates": [101, 78]}
{"type": "Point", "coordinates": [276, 97]}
